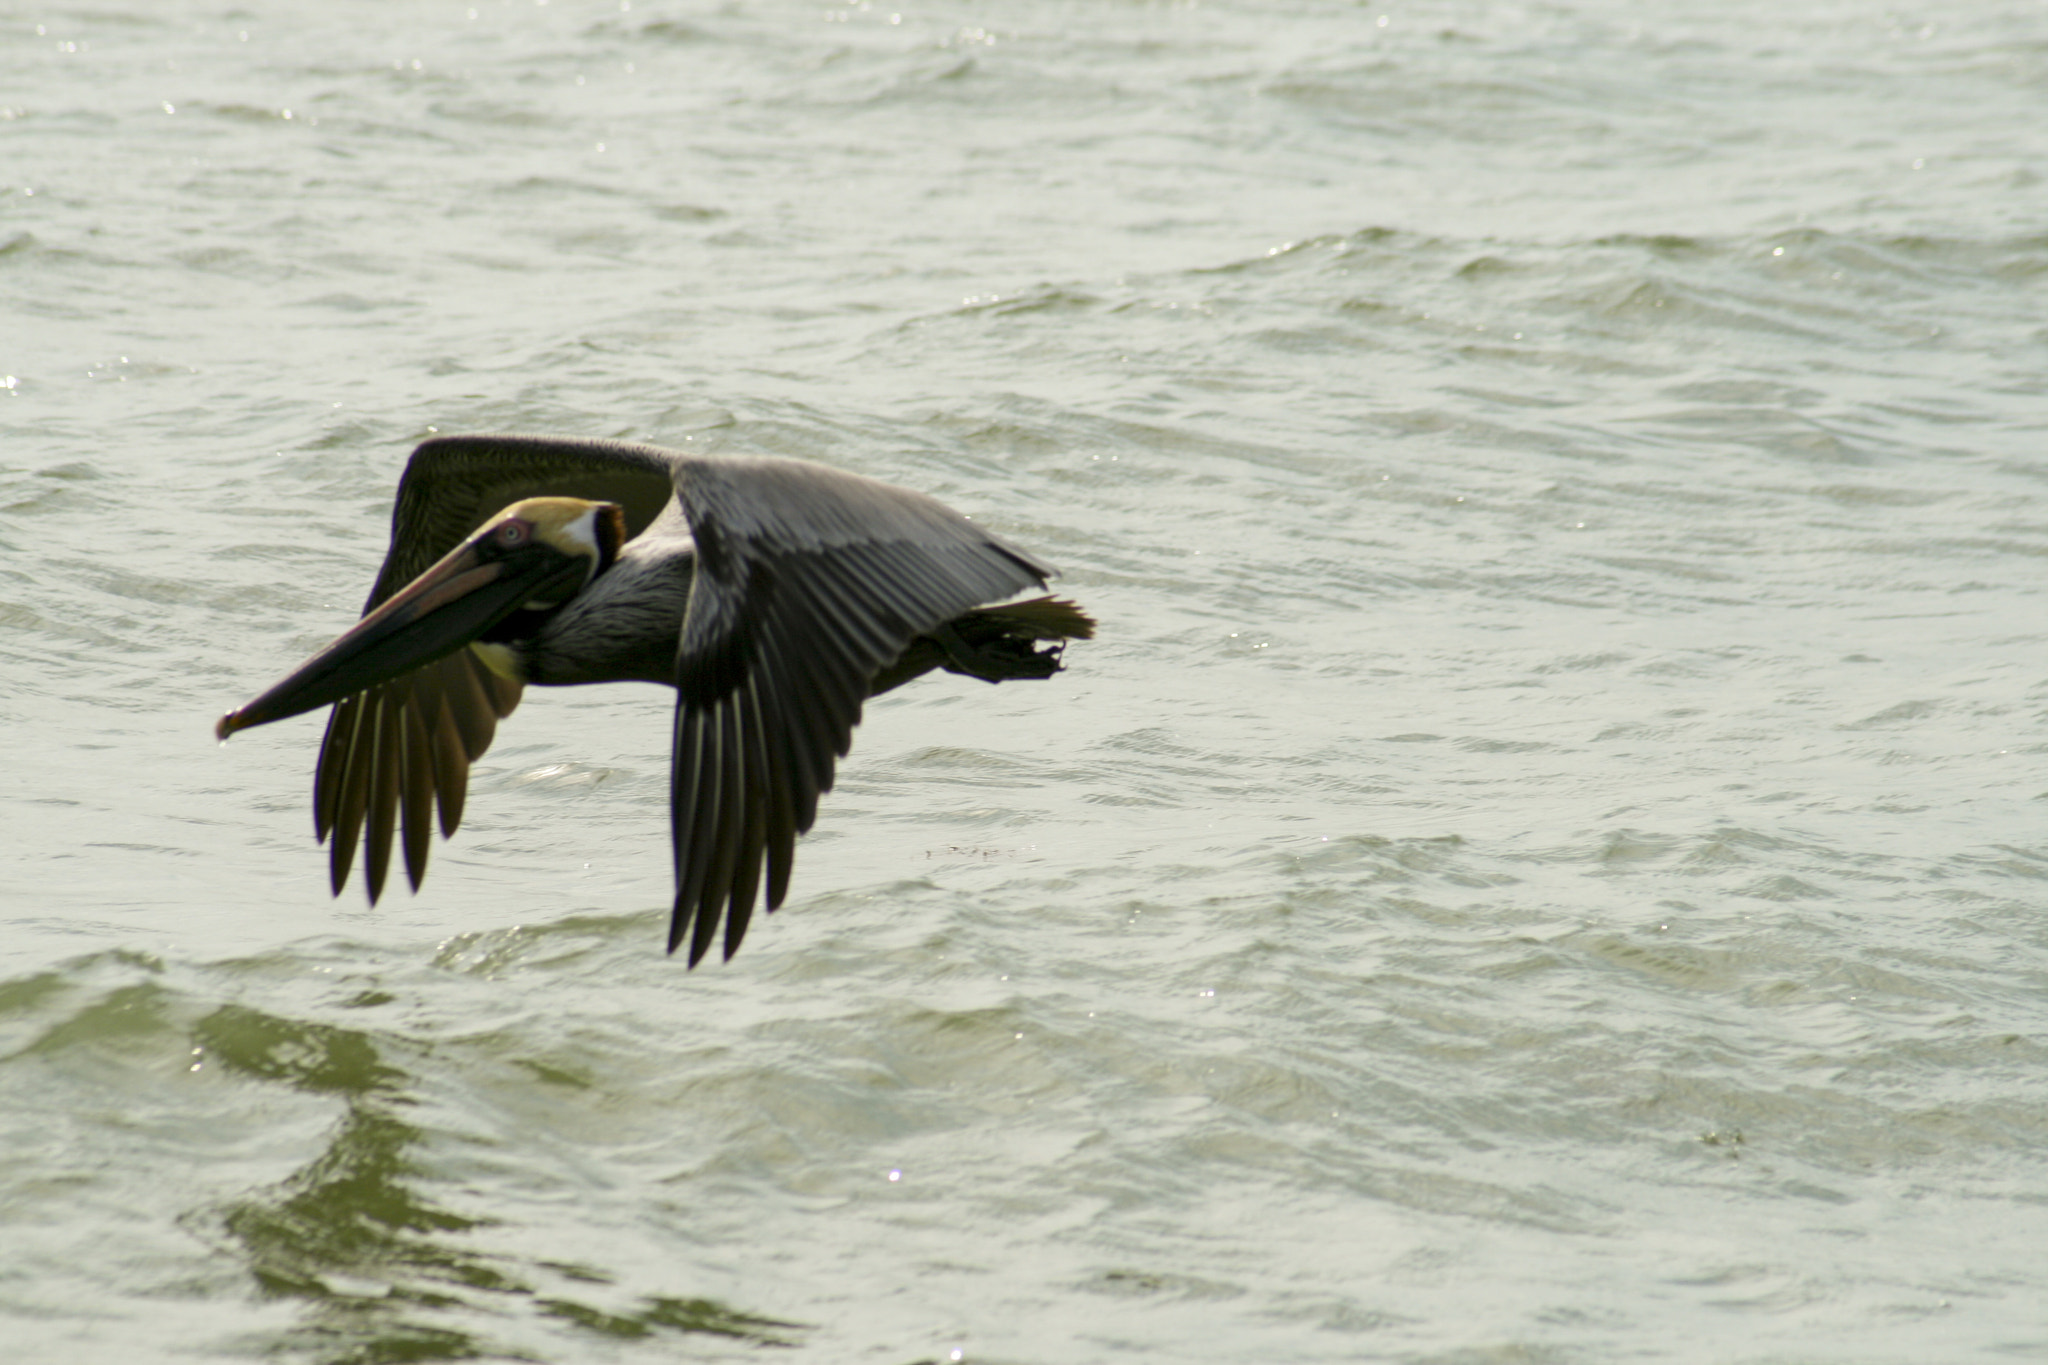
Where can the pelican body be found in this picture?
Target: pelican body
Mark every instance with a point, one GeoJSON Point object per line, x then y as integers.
{"type": "Point", "coordinates": [774, 595]}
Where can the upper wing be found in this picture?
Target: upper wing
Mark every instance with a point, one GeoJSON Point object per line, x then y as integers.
{"type": "Point", "coordinates": [400, 750]}
{"type": "Point", "coordinates": [453, 483]}
{"type": "Point", "coordinates": [808, 581]}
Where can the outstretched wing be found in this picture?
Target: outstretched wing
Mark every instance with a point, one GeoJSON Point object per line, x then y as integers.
{"type": "Point", "coordinates": [396, 753]}
{"type": "Point", "coordinates": [808, 581]}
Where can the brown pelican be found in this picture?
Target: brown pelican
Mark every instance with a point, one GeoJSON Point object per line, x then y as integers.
{"type": "Point", "coordinates": [773, 595]}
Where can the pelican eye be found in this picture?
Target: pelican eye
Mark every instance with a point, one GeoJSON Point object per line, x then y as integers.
{"type": "Point", "coordinates": [512, 533]}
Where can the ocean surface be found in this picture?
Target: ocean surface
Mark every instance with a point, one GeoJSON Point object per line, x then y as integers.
{"type": "Point", "coordinates": [1547, 860]}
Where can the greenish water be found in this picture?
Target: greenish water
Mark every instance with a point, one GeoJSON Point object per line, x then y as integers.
{"type": "Point", "coordinates": [1545, 861]}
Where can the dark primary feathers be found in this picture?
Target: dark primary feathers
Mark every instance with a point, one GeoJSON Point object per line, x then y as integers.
{"type": "Point", "coordinates": [808, 581]}
{"type": "Point", "coordinates": [405, 747]}
{"type": "Point", "coordinates": [775, 595]}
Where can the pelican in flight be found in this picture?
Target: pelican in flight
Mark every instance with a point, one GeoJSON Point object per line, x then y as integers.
{"type": "Point", "coordinates": [774, 595]}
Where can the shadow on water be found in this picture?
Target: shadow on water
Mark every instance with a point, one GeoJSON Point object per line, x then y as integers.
{"type": "Point", "coordinates": [378, 1267]}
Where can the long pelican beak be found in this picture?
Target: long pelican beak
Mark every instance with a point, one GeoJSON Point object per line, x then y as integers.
{"type": "Point", "coordinates": [509, 564]}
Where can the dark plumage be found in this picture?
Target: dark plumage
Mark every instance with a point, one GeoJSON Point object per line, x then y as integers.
{"type": "Point", "coordinates": [774, 595]}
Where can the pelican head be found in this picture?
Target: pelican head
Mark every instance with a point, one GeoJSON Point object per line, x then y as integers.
{"type": "Point", "coordinates": [515, 570]}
